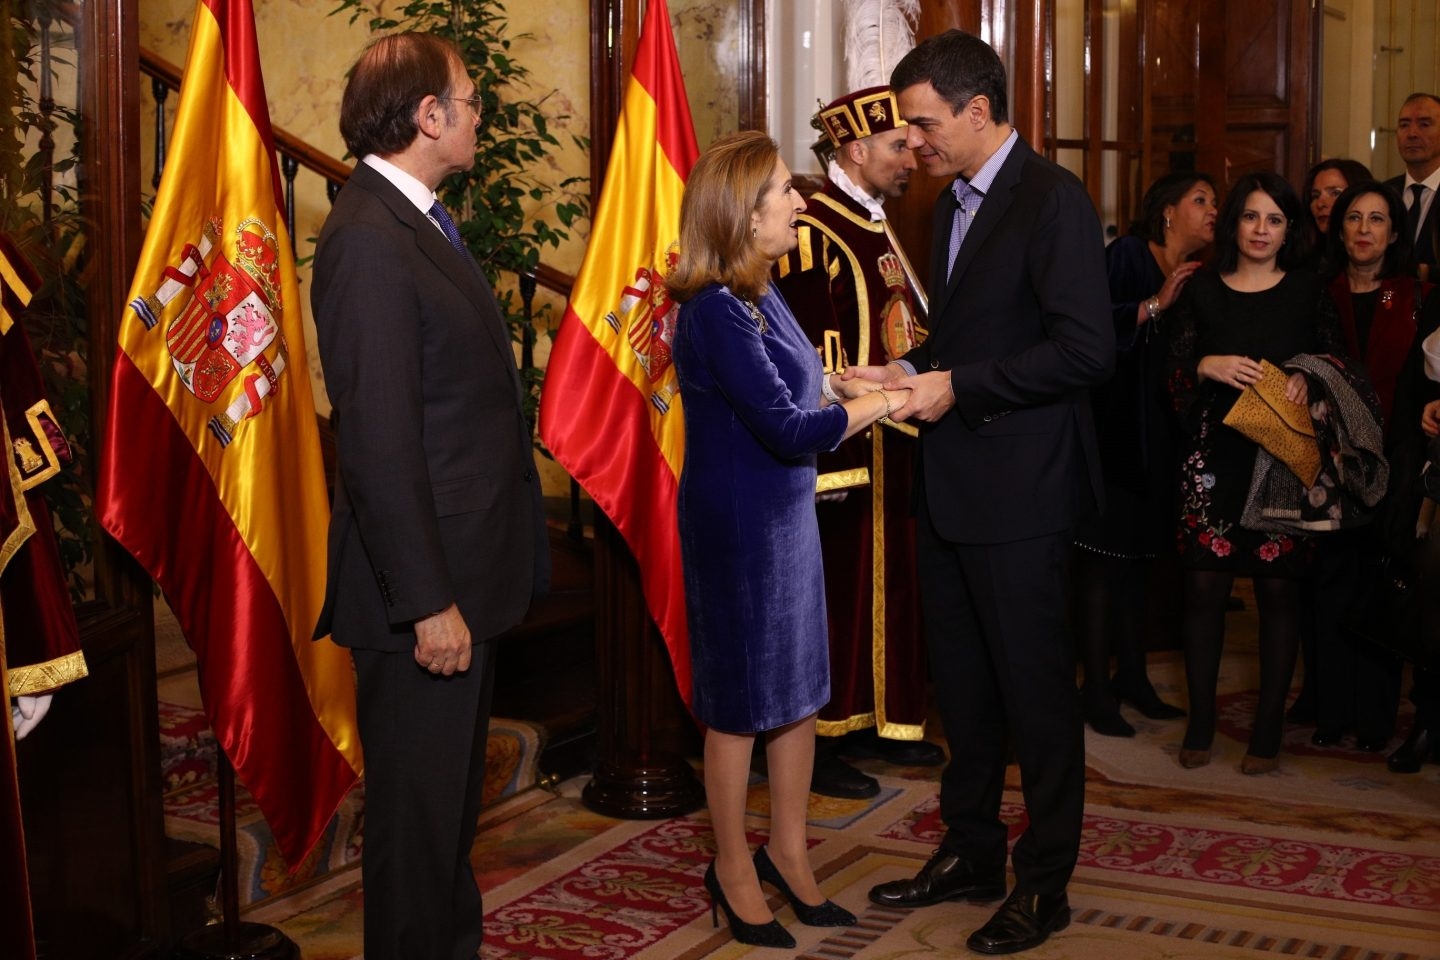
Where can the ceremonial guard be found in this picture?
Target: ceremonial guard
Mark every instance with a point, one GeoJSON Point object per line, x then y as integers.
{"type": "Point", "coordinates": [853, 291]}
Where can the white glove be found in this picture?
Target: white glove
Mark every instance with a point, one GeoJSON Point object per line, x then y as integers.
{"type": "Point", "coordinates": [27, 712]}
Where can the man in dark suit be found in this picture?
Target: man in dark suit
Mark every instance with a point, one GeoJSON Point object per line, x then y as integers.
{"type": "Point", "coordinates": [1417, 135]}
{"type": "Point", "coordinates": [437, 539]}
{"type": "Point", "coordinates": [1019, 331]}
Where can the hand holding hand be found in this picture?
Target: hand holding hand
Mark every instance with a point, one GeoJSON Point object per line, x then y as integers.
{"type": "Point", "coordinates": [854, 387]}
{"type": "Point", "coordinates": [27, 712]}
{"type": "Point", "coordinates": [930, 396]}
{"type": "Point", "coordinates": [890, 371]}
{"type": "Point", "coordinates": [1430, 419]}
{"type": "Point", "coordinates": [1238, 372]}
{"type": "Point", "coordinates": [442, 642]}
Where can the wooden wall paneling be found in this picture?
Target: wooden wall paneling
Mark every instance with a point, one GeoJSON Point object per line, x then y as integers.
{"type": "Point", "coordinates": [1132, 103]}
{"type": "Point", "coordinates": [1096, 66]}
{"type": "Point", "coordinates": [1304, 66]}
{"type": "Point", "coordinates": [1026, 69]}
{"type": "Point", "coordinates": [1209, 113]}
{"type": "Point", "coordinates": [751, 80]}
{"type": "Point", "coordinates": [90, 774]}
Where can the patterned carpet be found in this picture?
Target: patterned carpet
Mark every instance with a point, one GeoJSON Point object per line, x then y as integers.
{"type": "Point", "coordinates": [1330, 857]}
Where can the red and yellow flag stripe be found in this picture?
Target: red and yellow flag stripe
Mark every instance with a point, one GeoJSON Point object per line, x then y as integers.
{"type": "Point", "coordinates": [223, 502]}
{"type": "Point", "coordinates": [610, 408]}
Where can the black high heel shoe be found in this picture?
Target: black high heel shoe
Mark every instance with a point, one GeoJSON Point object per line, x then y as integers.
{"type": "Point", "coordinates": [754, 934]}
{"type": "Point", "coordinates": [827, 914]}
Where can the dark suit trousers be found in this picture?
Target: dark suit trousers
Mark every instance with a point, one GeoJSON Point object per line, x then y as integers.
{"type": "Point", "coordinates": [1003, 664]}
{"type": "Point", "coordinates": [424, 740]}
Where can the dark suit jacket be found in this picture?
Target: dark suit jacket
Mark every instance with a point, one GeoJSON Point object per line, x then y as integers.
{"type": "Point", "coordinates": [436, 498]}
{"type": "Point", "coordinates": [1024, 327]}
{"type": "Point", "coordinates": [1424, 247]}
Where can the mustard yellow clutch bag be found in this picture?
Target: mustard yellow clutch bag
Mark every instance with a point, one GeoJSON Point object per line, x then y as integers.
{"type": "Point", "coordinates": [1283, 428]}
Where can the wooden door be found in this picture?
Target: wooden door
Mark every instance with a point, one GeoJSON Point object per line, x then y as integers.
{"type": "Point", "coordinates": [1222, 86]}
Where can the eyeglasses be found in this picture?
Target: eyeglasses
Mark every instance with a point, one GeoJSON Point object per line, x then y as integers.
{"type": "Point", "coordinates": [473, 101]}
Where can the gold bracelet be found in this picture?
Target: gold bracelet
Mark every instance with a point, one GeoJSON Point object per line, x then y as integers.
{"type": "Point", "coordinates": [885, 417]}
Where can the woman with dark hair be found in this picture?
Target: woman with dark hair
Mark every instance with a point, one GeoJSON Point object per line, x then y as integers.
{"type": "Point", "coordinates": [1324, 183]}
{"type": "Point", "coordinates": [1384, 313]}
{"type": "Point", "coordinates": [1252, 306]}
{"type": "Point", "coordinates": [1147, 270]}
{"type": "Point", "coordinates": [758, 408]}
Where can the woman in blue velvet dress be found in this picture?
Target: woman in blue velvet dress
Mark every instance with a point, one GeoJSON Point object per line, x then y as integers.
{"type": "Point", "coordinates": [758, 408]}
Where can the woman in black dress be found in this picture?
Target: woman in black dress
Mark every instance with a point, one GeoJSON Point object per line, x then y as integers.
{"type": "Point", "coordinates": [1252, 306]}
{"type": "Point", "coordinates": [1147, 270]}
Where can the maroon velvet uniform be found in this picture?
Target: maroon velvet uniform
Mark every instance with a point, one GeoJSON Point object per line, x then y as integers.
{"type": "Point", "coordinates": [846, 283]}
{"type": "Point", "coordinates": [39, 640]}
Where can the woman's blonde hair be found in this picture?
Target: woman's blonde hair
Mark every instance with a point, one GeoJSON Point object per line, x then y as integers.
{"type": "Point", "coordinates": [716, 244]}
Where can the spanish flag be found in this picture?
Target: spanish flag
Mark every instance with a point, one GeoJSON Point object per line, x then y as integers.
{"type": "Point", "coordinates": [210, 469]}
{"type": "Point", "coordinates": [610, 408]}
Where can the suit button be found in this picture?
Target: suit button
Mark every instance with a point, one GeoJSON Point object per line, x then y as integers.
{"type": "Point", "coordinates": [986, 419]}
{"type": "Point", "coordinates": [529, 475]}
{"type": "Point", "coordinates": [934, 364]}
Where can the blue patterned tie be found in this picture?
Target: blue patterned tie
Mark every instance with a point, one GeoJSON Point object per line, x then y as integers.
{"type": "Point", "coordinates": [438, 214]}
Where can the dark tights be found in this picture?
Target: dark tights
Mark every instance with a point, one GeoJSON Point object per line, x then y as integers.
{"type": "Point", "coordinates": [1204, 633]}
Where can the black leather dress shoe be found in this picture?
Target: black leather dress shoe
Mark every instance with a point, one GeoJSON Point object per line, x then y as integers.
{"type": "Point", "coordinates": [1326, 737]}
{"type": "Point", "coordinates": [834, 777]}
{"type": "Point", "coordinates": [1420, 746]}
{"type": "Point", "coordinates": [869, 745]}
{"type": "Point", "coordinates": [945, 877]}
{"type": "Point", "coordinates": [1023, 921]}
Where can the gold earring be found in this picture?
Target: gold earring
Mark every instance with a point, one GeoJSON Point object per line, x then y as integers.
{"type": "Point", "coordinates": [1167, 223]}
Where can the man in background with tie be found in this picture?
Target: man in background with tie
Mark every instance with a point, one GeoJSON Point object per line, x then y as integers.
{"type": "Point", "coordinates": [437, 540]}
{"type": "Point", "coordinates": [1417, 135]}
{"type": "Point", "coordinates": [1020, 329]}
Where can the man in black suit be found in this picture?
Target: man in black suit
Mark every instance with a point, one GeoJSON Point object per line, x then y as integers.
{"type": "Point", "coordinates": [1417, 135]}
{"type": "Point", "coordinates": [1019, 331]}
{"type": "Point", "coordinates": [437, 538]}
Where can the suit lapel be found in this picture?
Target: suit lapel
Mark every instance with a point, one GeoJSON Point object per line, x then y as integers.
{"type": "Point", "coordinates": [992, 210]}
{"type": "Point", "coordinates": [460, 269]}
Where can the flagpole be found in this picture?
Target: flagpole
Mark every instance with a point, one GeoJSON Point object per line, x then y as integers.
{"type": "Point", "coordinates": [231, 939]}
{"type": "Point", "coordinates": [637, 777]}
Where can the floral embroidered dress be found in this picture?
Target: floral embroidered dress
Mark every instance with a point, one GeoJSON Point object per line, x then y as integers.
{"type": "Point", "coordinates": [1294, 316]}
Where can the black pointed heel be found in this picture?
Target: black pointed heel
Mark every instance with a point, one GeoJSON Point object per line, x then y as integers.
{"type": "Point", "coordinates": [827, 914]}
{"type": "Point", "coordinates": [754, 934]}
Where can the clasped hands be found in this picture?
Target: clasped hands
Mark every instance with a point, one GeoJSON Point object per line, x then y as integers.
{"type": "Point", "coordinates": [1239, 372]}
{"type": "Point", "coordinates": [921, 396]}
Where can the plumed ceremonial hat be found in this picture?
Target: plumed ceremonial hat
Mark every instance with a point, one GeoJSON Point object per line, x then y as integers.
{"type": "Point", "coordinates": [858, 115]}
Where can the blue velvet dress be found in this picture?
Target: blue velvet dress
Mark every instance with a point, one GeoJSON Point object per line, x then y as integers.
{"type": "Point", "coordinates": [749, 542]}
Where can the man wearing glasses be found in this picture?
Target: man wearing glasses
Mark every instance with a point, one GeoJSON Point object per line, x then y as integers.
{"type": "Point", "coordinates": [437, 540]}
